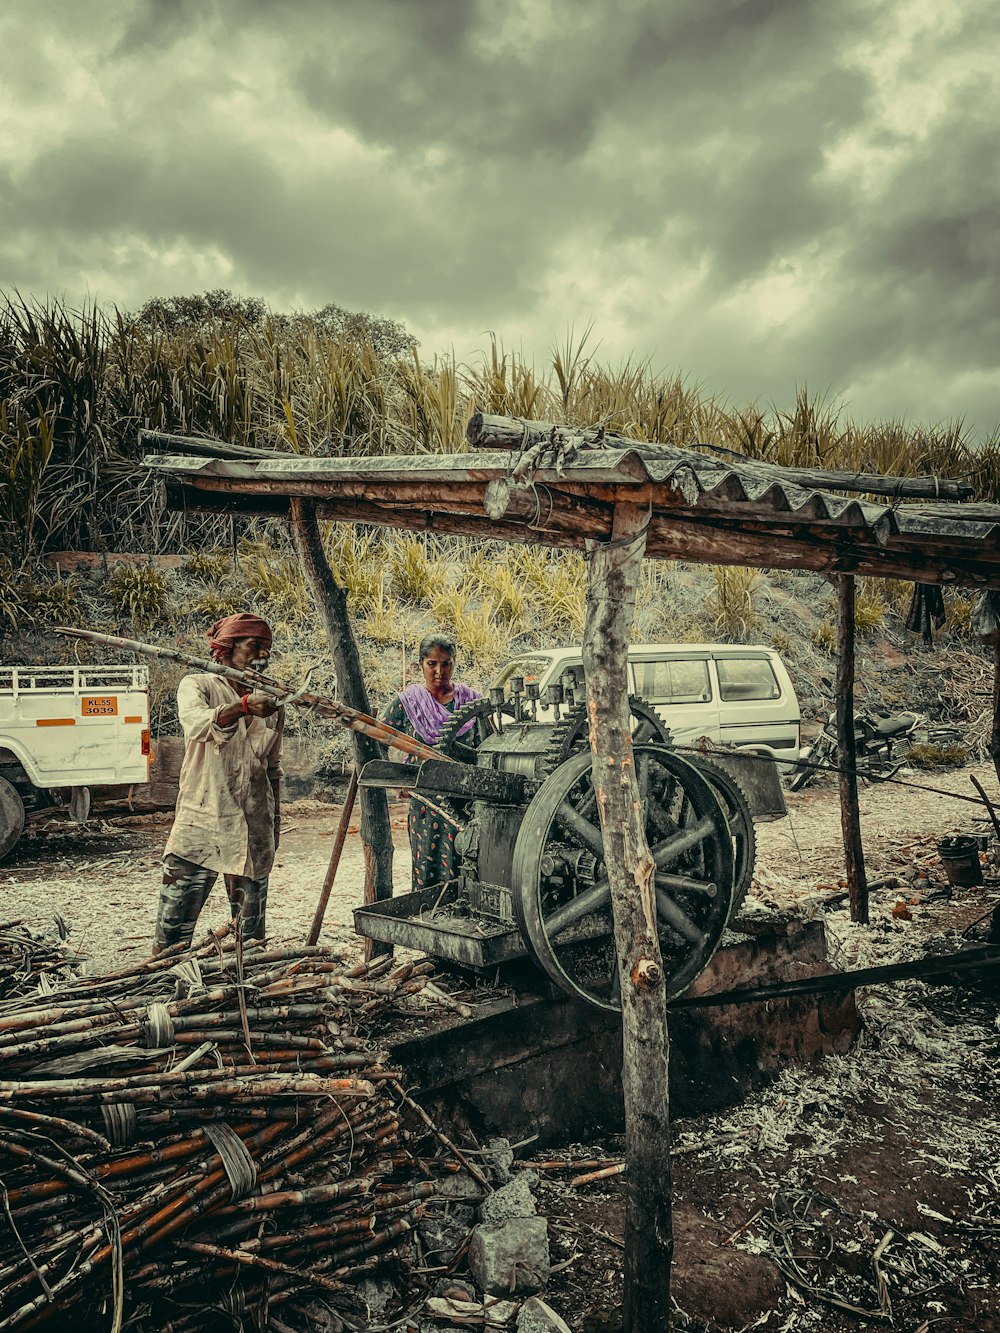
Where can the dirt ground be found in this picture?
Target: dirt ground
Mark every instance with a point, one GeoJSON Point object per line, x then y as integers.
{"type": "Point", "coordinates": [849, 1193]}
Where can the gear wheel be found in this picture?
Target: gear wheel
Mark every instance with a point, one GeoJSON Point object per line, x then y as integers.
{"type": "Point", "coordinates": [571, 734]}
{"type": "Point", "coordinates": [463, 748]}
{"type": "Point", "coordinates": [734, 802]}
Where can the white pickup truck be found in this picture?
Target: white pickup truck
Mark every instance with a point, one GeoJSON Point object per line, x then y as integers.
{"type": "Point", "coordinates": [65, 729]}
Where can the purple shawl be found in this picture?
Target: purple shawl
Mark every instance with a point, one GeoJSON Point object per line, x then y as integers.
{"type": "Point", "coordinates": [427, 716]}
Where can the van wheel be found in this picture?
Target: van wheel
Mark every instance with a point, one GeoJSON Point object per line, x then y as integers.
{"type": "Point", "coordinates": [11, 817]}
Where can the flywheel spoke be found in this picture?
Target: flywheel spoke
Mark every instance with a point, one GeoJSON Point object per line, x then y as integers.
{"type": "Point", "coordinates": [675, 917]}
{"type": "Point", "coordinates": [573, 821]}
{"type": "Point", "coordinates": [666, 853]}
{"type": "Point", "coordinates": [591, 900]}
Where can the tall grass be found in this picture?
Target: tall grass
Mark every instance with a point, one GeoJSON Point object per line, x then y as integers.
{"type": "Point", "coordinates": [77, 386]}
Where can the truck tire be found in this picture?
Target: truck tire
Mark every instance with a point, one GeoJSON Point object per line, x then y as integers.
{"type": "Point", "coordinates": [11, 817]}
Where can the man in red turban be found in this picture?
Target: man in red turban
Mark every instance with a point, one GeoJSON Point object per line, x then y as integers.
{"type": "Point", "coordinates": [228, 816]}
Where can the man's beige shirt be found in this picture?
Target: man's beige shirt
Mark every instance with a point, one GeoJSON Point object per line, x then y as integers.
{"type": "Point", "coordinates": [225, 806]}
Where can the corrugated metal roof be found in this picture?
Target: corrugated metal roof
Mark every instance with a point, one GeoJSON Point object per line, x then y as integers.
{"type": "Point", "coordinates": [682, 485]}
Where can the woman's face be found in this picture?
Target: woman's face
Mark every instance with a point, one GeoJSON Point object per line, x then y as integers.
{"type": "Point", "coordinates": [437, 668]}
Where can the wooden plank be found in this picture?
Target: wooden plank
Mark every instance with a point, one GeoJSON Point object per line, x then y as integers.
{"type": "Point", "coordinates": [677, 537]}
{"type": "Point", "coordinates": [612, 575]}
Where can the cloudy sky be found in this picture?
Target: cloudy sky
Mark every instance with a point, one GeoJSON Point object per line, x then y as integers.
{"type": "Point", "coordinates": [759, 194]}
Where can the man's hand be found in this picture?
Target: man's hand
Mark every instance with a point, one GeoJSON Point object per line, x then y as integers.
{"type": "Point", "coordinates": [261, 705]}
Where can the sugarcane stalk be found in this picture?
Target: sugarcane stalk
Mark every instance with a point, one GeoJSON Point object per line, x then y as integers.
{"type": "Point", "coordinates": [350, 718]}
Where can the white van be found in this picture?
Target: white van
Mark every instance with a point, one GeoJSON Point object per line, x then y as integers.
{"type": "Point", "coordinates": [732, 693]}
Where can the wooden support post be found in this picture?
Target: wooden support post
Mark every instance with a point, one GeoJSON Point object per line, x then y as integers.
{"type": "Point", "coordinates": [995, 731]}
{"type": "Point", "coordinates": [612, 574]}
{"type": "Point", "coordinates": [331, 602]}
{"type": "Point", "coordinates": [857, 884]}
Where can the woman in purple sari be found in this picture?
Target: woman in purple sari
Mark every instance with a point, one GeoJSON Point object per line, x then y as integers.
{"type": "Point", "coordinates": [422, 710]}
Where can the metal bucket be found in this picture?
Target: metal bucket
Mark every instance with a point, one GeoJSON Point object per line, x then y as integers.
{"type": "Point", "coordinates": [960, 858]}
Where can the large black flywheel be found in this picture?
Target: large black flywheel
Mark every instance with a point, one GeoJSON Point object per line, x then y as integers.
{"type": "Point", "coordinates": [562, 898]}
{"type": "Point", "coordinates": [741, 826]}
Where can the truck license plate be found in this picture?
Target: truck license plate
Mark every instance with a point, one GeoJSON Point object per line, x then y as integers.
{"type": "Point", "coordinates": [99, 705]}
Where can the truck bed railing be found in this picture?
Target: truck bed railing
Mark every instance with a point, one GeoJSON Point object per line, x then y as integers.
{"type": "Point", "coordinates": [71, 679]}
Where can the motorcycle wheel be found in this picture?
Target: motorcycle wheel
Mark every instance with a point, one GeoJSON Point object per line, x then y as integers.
{"type": "Point", "coordinates": [818, 752]}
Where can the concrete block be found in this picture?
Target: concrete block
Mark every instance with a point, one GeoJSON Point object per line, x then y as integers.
{"type": "Point", "coordinates": [510, 1257]}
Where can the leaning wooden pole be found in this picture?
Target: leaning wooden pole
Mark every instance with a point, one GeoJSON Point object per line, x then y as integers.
{"type": "Point", "coordinates": [850, 820]}
{"type": "Point", "coordinates": [331, 602]}
{"type": "Point", "coordinates": [612, 574]}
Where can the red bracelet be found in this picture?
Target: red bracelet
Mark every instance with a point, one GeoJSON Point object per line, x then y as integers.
{"type": "Point", "coordinates": [243, 704]}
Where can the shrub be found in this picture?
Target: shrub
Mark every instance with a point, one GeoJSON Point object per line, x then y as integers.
{"type": "Point", "coordinates": [209, 566]}
{"type": "Point", "coordinates": [959, 613]}
{"type": "Point", "coordinates": [12, 609]}
{"type": "Point", "coordinates": [824, 636]}
{"type": "Point", "coordinates": [52, 603]}
{"type": "Point", "coordinates": [356, 559]}
{"type": "Point", "coordinates": [138, 593]}
{"type": "Point", "coordinates": [277, 580]}
{"type": "Point", "coordinates": [498, 584]}
{"type": "Point", "coordinates": [212, 606]}
{"type": "Point", "coordinates": [928, 755]}
{"type": "Point", "coordinates": [732, 603]}
{"type": "Point", "coordinates": [870, 609]}
{"type": "Point", "coordinates": [414, 577]}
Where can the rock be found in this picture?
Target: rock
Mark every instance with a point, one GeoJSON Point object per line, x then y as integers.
{"type": "Point", "coordinates": [443, 1308]}
{"type": "Point", "coordinates": [538, 1317]}
{"type": "Point", "coordinates": [375, 1292]}
{"type": "Point", "coordinates": [457, 1185]}
{"type": "Point", "coordinates": [443, 1234]}
{"type": "Point", "coordinates": [511, 1200]}
{"type": "Point", "coordinates": [499, 1312]}
{"type": "Point", "coordinates": [498, 1156]}
{"type": "Point", "coordinates": [495, 1313]}
{"type": "Point", "coordinates": [453, 1289]}
{"type": "Point", "coordinates": [509, 1257]}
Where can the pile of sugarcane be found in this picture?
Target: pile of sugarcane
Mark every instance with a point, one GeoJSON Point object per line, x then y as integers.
{"type": "Point", "coordinates": [209, 1129]}
{"type": "Point", "coordinates": [29, 959]}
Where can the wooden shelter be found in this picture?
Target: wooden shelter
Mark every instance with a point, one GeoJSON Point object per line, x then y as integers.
{"type": "Point", "coordinates": [620, 500]}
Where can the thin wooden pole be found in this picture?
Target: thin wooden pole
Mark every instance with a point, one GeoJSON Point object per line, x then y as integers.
{"type": "Point", "coordinates": [612, 574]}
{"type": "Point", "coordinates": [850, 823]}
{"type": "Point", "coordinates": [995, 731]}
{"type": "Point", "coordinates": [331, 602]}
{"type": "Point", "coordinates": [335, 855]}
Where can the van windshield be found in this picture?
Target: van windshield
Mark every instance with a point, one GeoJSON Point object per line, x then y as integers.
{"type": "Point", "coordinates": [531, 668]}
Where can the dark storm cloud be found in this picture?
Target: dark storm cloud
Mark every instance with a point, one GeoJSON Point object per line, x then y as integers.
{"type": "Point", "coordinates": [761, 190]}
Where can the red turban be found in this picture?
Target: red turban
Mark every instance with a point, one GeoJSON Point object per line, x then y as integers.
{"type": "Point", "coordinates": [244, 625]}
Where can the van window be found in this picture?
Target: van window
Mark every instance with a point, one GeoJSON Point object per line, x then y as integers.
{"type": "Point", "coordinates": [531, 668]}
{"type": "Point", "coordinates": [680, 681]}
{"type": "Point", "coordinates": [746, 678]}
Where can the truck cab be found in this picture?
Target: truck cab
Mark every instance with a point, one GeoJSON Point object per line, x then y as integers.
{"type": "Point", "coordinates": [65, 729]}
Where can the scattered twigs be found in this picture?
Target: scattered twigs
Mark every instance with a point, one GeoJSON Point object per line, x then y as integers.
{"type": "Point", "coordinates": [443, 1139]}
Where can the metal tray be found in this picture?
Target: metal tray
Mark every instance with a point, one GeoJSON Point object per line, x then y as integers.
{"type": "Point", "coordinates": [437, 924]}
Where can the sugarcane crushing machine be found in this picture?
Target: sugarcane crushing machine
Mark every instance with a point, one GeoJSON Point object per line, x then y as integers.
{"type": "Point", "coordinates": [532, 879]}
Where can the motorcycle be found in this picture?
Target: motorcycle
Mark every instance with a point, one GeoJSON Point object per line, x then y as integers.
{"type": "Point", "coordinates": [877, 737]}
